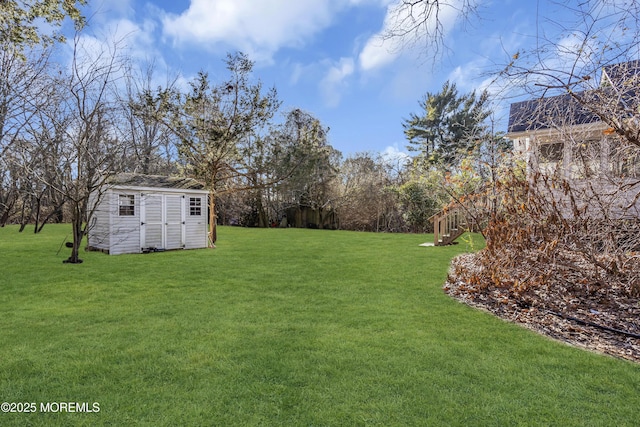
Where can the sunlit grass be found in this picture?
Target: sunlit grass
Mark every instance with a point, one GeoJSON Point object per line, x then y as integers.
{"type": "Point", "coordinates": [281, 327]}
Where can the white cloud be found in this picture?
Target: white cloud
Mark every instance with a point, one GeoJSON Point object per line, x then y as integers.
{"type": "Point", "coordinates": [377, 53]}
{"type": "Point", "coordinates": [474, 75]}
{"type": "Point", "coordinates": [296, 74]}
{"type": "Point", "coordinates": [575, 50]}
{"type": "Point", "coordinates": [121, 44]}
{"type": "Point", "coordinates": [259, 28]}
{"type": "Point", "coordinates": [378, 50]}
{"type": "Point", "coordinates": [334, 83]}
{"type": "Point", "coordinates": [394, 157]}
{"type": "Point", "coordinates": [137, 39]}
{"type": "Point", "coordinates": [128, 38]}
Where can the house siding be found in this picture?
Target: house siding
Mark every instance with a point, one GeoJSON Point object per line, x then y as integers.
{"type": "Point", "coordinates": [607, 199]}
{"type": "Point", "coordinates": [598, 188]}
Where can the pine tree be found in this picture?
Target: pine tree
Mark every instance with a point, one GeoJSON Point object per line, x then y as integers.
{"type": "Point", "coordinates": [448, 126]}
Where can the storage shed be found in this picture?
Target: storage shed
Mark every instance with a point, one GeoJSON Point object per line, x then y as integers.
{"type": "Point", "coordinates": [136, 213]}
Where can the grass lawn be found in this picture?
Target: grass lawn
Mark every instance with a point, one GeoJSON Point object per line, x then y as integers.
{"type": "Point", "coordinates": [281, 328]}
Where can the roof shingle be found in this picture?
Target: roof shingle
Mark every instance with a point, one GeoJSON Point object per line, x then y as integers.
{"type": "Point", "coordinates": [155, 181]}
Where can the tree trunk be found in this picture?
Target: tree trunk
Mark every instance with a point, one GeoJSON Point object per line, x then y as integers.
{"type": "Point", "coordinates": [23, 217]}
{"type": "Point", "coordinates": [213, 232]}
{"type": "Point", "coordinates": [263, 221]}
{"type": "Point", "coordinates": [9, 203]}
{"type": "Point", "coordinates": [56, 214]}
{"type": "Point", "coordinates": [76, 225]}
{"type": "Point", "coordinates": [38, 207]}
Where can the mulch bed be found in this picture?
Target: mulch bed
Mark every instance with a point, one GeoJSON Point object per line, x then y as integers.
{"type": "Point", "coordinates": [606, 321]}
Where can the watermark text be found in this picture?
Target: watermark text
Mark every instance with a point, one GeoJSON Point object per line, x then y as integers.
{"type": "Point", "coordinates": [49, 407]}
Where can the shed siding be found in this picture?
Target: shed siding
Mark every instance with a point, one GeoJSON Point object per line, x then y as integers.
{"type": "Point", "coordinates": [125, 230]}
{"type": "Point", "coordinates": [99, 235]}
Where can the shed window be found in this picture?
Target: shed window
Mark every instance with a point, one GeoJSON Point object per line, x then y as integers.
{"type": "Point", "coordinates": [195, 206]}
{"type": "Point", "coordinates": [127, 205]}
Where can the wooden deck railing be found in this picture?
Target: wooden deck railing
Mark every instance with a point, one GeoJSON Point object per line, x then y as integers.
{"type": "Point", "coordinates": [448, 225]}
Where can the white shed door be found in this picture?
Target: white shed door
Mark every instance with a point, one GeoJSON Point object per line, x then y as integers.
{"type": "Point", "coordinates": [174, 222]}
{"type": "Point", "coordinates": [162, 221]}
{"type": "Point", "coordinates": [152, 221]}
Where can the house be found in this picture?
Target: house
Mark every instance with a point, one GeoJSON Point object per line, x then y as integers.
{"type": "Point", "coordinates": [564, 136]}
{"type": "Point", "coordinates": [136, 213]}
{"type": "Point", "coordinates": [565, 139]}
{"type": "Point", "coordinates": [558, 135]}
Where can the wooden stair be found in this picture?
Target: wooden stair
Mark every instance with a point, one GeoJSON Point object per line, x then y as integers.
{"type": "Point", "coordinates": [448, 225]}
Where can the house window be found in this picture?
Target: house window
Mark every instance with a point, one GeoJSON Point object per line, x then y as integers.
{"type": "Point", "coordinates": [127, 205]}
{"type": "Point", "coordinates": [551, 153]}
{"type": "Point", "coordinates": [624, 160]}
{"type": "Point", "coordinates": [585, 159]}
{"type": "Point", "coordinates": [195, 206]}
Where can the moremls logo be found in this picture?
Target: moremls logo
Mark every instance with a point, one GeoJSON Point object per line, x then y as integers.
{"type": "Point", "coordinates": [69, 407]}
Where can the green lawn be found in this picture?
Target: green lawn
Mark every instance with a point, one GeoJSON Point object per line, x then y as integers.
{"type": "Point", "coordinates": [281, 328]}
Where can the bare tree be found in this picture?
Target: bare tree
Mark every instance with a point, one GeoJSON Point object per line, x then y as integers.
{"type": "Point", "coordinates": [47, 135]}
{"type": "Point", "coordinates": [305, 165]}
{"type": "Point", "coordinates": [23, 94]}
{"type": "Point", "coordinates": [592, 59]}
{"type": "Point", "coordinates": [422, 22]}
{"type": "Point", "coordinates": [92, 152]}
{"type": "Point", "coordinates": [366, 200]}
{"type": "Point", "coordinates": [25, 46]}
{"type": "Point", "coordinates": [150, 144]}
{"type": "Point", "coordinates": [21, 77]}
{"type": "Point", "coordinates": [217, 124]}
{"type": "Point", "coordinates": [9, 195]}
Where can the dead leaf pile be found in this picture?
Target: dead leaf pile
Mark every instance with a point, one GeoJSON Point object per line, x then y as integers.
{"type": "Point", "coordinates": [603, 319]}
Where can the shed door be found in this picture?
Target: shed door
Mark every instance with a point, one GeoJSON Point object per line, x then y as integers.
{"type": "Point", "coordinates": [152, 227]}
{"type": "Point", "coordinates": [174, 222]}
{"type": "Point", "coordinates": [162, 221]}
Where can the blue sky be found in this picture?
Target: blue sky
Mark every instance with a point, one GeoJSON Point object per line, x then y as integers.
{"type": "Point", "coordinates": [323, 56]}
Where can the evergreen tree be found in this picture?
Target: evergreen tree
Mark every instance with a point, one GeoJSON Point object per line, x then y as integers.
{"type": "Point", "coordinates": [448, 126]}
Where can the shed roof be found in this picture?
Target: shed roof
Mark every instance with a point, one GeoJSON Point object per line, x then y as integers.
{"type": "Point", "coordinates": [155, 181]}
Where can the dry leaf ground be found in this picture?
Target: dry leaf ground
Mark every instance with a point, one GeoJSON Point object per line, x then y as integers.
{"type": "Point", "coordinates": [604, 320]}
